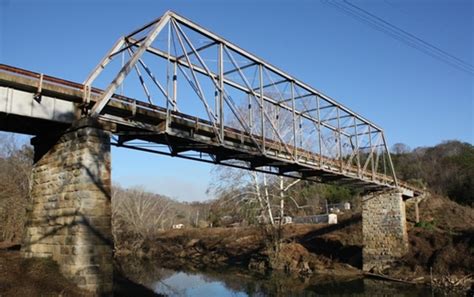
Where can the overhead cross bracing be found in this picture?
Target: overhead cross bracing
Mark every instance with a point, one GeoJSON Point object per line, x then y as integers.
{"type": "Point", "coordinates": [205, 98]}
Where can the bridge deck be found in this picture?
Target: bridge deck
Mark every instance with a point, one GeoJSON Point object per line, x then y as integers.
{"type": "Point", "coordinates": [61, 101]}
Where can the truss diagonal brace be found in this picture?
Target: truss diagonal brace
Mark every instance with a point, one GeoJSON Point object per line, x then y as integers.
{"type": "Point", "coordinates": [98, 69]}
{"type": "Point", "coordinates": [105, 97]}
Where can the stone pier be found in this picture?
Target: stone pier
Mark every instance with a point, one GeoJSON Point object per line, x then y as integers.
{"type": "Point", "coordinates": [70, 216]}
{"type": "Point", "coordinates": [384, 230]}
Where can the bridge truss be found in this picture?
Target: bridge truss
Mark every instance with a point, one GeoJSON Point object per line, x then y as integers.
{"type": "Point", "coordinates": [244, 112]}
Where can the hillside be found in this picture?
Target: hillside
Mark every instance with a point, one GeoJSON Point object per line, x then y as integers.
{"type": "Point", "coordinates": [446, 169]}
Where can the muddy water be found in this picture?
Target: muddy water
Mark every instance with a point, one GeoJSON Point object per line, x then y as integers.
{"type": "Point", "coordinates": [233, 281]}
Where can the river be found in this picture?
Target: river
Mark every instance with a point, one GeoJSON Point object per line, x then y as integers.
{"type": "Point", "coordinates": [240, 282]}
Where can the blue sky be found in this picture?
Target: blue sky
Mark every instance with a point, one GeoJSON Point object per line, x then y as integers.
{"type": "Point", "coordinates": [417, 99]}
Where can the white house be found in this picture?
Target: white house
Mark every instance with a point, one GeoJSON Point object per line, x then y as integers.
{"type": "Point", "coordinates": [178, 226]}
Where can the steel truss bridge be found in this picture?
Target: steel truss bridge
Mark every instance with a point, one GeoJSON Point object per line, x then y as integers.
{"type": "Point", "coordinates": [198, 96]}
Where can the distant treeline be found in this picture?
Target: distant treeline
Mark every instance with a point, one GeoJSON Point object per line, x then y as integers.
{"type": "Point", "coordinates": [446, 169]}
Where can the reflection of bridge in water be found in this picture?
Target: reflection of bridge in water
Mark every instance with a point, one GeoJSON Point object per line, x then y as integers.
{"type": "Point", "coordinates": [216, 103]}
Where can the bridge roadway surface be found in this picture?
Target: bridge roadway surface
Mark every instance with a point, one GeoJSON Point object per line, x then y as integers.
{"type": "Point", "coordinates": [35, 104]}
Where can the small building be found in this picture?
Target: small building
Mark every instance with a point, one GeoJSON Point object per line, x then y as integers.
{"type": "Point", "coordinates": [178, 226]}
{"type": "Point", "coordinates": [317, 219]}
{"type": "Point", "coordinates": [286, 220]}
{"type": "Point", "coordinates": [338, 207]}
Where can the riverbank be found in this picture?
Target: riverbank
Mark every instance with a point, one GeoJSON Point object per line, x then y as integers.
{"type": "Point", "coordinates": [302, 249]}
{"type": "Point", "coordinates": [441, 247]}
{"type": "Point", "coordinates": [238, 281]}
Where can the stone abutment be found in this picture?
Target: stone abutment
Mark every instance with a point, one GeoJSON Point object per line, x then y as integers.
{"type": "Point", "coordinates": [70, 215]}
{"type": "Point", "coordinates": [384, 230]}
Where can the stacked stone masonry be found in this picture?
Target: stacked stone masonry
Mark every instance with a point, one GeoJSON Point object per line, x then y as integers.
{"type": "Point", "coordinates": [384, 229]}
{"type": "Point", "coordinates": [70, 216]}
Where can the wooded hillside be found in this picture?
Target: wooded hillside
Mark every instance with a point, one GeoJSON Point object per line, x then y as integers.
{"type": "Point", "coordinates": [446, 169]}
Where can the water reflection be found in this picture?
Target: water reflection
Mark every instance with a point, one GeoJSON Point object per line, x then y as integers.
{"type": "Point", "coordinates": [180, 280]}
{"type": "Point", "coordinates": [184, 284]}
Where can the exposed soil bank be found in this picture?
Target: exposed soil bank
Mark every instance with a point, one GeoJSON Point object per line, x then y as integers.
{"type": "Point", "coordinates": [252, 247]}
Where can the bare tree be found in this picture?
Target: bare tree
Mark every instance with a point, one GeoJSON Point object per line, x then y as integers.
{"type": "Point", "coordinates": [138, 211]}
{"type": "Point", "coordinates": [16, 161]}
{"type": "Point", "coordinates": [400, 148]}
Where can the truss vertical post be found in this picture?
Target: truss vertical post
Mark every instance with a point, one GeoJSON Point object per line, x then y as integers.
{"type": "Point", "coordinates": [377, 157]}
{"type": "Point", "coordinates": [249, 98]}
{"type": "Point", "coordinates": [384, 163]}
{"type": "Point", "coordinates": [390, 160]}
{"type": "Point", "coordinates": [168, 110]}
{"type": "Point", "coordinates": [339, 139]}
{"type": "Point", "coordinates": [357, 147]}
{"type": "Point", "coordinates": [295, 143]}
{"type": "Point", "coordinates": [175, 86]}
{"type": "Point", "coordinates": [216, 102]}
{"type": "Point", "coordinates": [221, 91]}
{"type": "Point", "coordinates": [300, 131]}
{"type": "Point", "coordinates": [262, 104]}
{"type": "Point", "coordinates": [319, 133]}
{"type": "Point", "coordinates": [371, 154]}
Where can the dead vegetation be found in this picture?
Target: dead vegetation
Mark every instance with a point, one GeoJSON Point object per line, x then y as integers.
{"type": "Point", "coordinates": [298, 249]}
{"type": "Point", "coordinates": [15, 170]}
{"type": "Point", "coordinates": [441, 245]}
{"type": "Point", "coordinates": [443, 241]}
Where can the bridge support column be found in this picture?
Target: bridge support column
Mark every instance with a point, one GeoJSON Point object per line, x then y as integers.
{"type": "Point", "coordinates": [384, 229]}
{"type": "Point", "coordinates": [70, 216]}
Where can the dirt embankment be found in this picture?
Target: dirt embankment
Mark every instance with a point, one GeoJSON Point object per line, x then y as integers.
{"type": "Point", "coordinates": [442, 244]}
{"type": "Point", "coordinates": [303, 249]}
